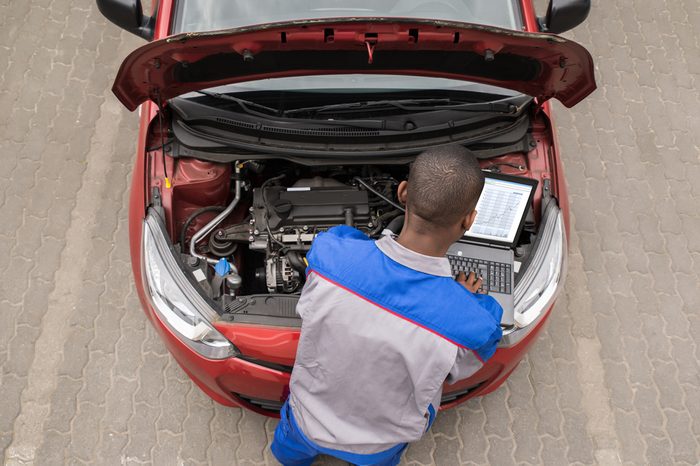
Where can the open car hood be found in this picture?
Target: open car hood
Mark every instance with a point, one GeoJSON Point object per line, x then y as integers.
{"type": "Point", "coordinates": [540, 65]}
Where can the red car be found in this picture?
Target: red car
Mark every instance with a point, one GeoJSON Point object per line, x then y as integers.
{"type": "Point", "coordinates": [243, 103]}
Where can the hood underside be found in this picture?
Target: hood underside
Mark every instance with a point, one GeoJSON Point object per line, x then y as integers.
{"type": "Point", "coordinates": [540, 65]}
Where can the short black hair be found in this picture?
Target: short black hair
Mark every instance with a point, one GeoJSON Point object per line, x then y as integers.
{"type": "Point", "coordinates": [444, 184]}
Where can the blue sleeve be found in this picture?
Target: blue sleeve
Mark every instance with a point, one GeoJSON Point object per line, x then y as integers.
{"type": "Point", "coordinates": [494, 309]}
{"type": "Point", "coordinates": [489, 348]}
{"type": "Point", "coordinates": [330, 244]}
{"type": "Point", "coordinates": [490, 304]}
{"type": "Point", "coordinates": [345, 231]}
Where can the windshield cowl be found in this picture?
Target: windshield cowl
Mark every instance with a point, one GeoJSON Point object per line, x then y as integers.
{"type": "Point", "coordinates": [200, 127]}
{"type": "Point", "coordinates": [348, 103]}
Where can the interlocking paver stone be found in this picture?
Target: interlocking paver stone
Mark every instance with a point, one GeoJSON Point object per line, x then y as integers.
{"type": "Point", "coordinates": [632, 159]}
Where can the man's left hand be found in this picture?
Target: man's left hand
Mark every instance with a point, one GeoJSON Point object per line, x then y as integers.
{"type": "Point", "coordinates": [471, 282]}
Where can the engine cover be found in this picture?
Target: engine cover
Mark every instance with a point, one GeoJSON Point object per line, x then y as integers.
{"type": "Point", "coordinates": [310, 207]}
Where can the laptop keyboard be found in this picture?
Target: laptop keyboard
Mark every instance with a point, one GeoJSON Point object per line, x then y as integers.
{"type": "Point", "coordinates": [496, 275]}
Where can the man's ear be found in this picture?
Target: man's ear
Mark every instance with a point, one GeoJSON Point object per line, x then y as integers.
{"type": "Point", "coordinates": [469, 220]}
{"type": "Point", "coordinates": [402, 192]}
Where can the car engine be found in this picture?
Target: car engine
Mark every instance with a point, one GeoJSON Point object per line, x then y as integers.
{"type": "Point", "coordinates": [283, 220]}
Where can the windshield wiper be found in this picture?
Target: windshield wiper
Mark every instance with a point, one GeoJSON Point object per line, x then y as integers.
{"type": "Point", "coordinates": [245, 105]}
{"type": "Point", "coordinates": [506, 106]}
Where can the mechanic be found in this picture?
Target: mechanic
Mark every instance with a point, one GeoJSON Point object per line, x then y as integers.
{"type": "Point", "coordinates": [384, 324]}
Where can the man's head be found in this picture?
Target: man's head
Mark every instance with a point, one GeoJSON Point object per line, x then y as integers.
{"type": "Point", "coordinates": [443, 187]}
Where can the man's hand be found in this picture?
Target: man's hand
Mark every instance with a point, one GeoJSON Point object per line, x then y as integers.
{"type": "Point", "coordinates": [472, 282]}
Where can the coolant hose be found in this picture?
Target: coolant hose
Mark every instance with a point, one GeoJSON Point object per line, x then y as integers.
{"type": "Point", "coordinates": [296, 261]}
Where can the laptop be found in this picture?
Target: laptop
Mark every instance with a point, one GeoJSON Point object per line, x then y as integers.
{"type": "Point", "coordinates": [487, 247]}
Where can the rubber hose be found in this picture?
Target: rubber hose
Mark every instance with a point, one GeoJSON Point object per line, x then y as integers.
{"type": "Point", "coordinates": [296, 262]}
{"type": "Point", "coordinates": [396, 224]}
{"type": "Point", "coordinates": [382, 218]}
{"type": "Point", "coordinates": [190, 219]}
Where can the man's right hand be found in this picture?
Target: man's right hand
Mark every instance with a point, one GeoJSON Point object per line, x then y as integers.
{"type": "Point", "coordinates": [471, 282]}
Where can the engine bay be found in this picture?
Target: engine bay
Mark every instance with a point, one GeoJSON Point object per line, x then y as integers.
{"type": "Point", "coordinates": [280, 212]}
{"type": "Point", "coordinates": [243, 229]}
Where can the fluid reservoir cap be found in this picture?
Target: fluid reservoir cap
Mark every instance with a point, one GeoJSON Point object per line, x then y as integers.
{"type": "Point", "coordinates": [222, 268]}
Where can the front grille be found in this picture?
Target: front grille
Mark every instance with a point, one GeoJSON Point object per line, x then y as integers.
{"type": "Point", "coordinates": [450, 397]}
{"type": "Point", "coordinates": [276, 405]}
{"type": "Point", "coordinates": [267, 405]}
{"type": "Point", "coordinates": [264, 305]}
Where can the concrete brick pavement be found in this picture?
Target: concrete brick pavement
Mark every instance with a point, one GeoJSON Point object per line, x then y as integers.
{"type": "Point", "coordinates": [615, 379]}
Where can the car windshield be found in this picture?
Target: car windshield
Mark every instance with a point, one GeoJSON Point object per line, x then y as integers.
{"type": "Point", "coordinates": [209, 15]}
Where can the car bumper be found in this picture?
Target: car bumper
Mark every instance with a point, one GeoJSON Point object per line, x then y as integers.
{"type": "Point", "coordinates": [263, 386]}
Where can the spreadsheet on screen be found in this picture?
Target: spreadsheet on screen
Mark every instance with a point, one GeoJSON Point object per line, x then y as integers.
{"type": "Point", "coordinates": [500, 210]}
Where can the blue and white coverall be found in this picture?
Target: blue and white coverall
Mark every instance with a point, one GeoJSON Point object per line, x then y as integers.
{"type": "Point", "coordinates": [382, 328]}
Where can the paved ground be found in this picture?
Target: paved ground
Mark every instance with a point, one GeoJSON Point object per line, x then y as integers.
{"type": "Point", "coordinates": [615, 379]}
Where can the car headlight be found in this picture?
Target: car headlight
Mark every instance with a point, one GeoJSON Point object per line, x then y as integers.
{"type": "Point", "coordinates": [543, 278]}
{"type": "Point", "coordinates": [175, 299]}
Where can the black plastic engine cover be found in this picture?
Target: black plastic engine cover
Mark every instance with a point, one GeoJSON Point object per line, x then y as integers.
{"type": "Point", "coordinates": [312, 206]}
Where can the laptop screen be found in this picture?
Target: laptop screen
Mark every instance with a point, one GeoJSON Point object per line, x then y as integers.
{"type": "Point", "coordinates": [501, 209]}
